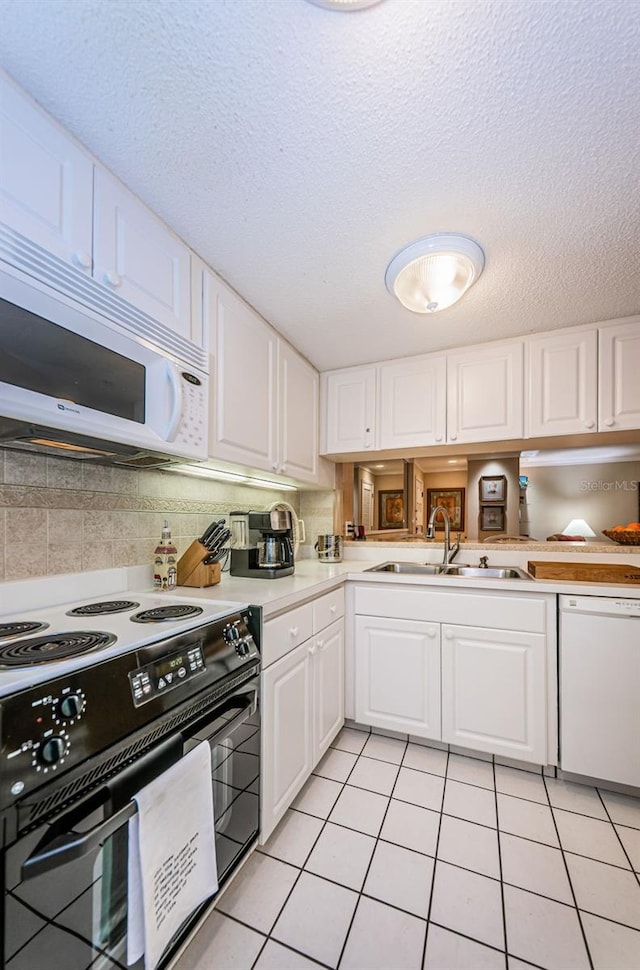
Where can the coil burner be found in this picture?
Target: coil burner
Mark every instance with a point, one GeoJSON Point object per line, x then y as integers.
{"type": "Point", "coordinates": [18, 629]}
{"type": "Point", "coordinates": [161, 614]}
{"type": "Point", "coordinates": [59, 646]}
{"type": "Point", "coordinates": [109, 606]}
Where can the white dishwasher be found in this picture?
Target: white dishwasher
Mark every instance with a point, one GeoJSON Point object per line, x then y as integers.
{"type": "Point", "coordinates": [600, 687]}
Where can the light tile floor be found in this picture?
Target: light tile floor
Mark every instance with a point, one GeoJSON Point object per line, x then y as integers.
{"type": "Point", "coordinates": [397, 856]}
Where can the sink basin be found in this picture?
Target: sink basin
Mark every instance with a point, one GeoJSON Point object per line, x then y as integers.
{"type": "Point", "coordinates": [491, 572]}
{"type": "Point", "coordinates": [438, 569]}
{"type": "Point", "coordinates": [417, 568]}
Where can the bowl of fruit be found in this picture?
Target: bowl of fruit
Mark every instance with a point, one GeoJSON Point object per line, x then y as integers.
{"type": "Point", "coordinates": [625, 535]}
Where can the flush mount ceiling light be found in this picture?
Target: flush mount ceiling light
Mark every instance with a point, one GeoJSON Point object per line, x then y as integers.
{"type": "Point", "coordinates": [344, 5]}
{"type": "Point", "coordinates": [432, 273]}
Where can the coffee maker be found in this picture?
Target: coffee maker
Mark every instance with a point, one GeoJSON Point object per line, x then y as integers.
{"type": "Point", "coordinates": [261, 544]}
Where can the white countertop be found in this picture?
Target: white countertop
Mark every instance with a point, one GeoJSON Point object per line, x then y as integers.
{"type": "Point", "coordinates": [312, 578]}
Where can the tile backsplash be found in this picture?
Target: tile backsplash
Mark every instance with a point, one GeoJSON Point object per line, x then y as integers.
{"type": "Point", "coordinates": [61, 516]}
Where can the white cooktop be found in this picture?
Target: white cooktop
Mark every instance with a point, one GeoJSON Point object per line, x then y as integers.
{"type": "Point", "coordinates": [129, 635]}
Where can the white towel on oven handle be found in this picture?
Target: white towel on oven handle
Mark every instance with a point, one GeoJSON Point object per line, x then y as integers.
{"type": "Point", "coordinates": [172, 859]}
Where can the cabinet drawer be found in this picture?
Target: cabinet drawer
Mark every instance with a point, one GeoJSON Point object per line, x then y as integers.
{"type": "Point", "coordinates": [493, 609]}
{"type": "Point", "coordinates": [285, 632]}
{"type": "Point", "coordinates": [326, 609]}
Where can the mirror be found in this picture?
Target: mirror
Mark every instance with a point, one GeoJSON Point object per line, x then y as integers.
{"type": "Point", "coordinates": [532, 494]}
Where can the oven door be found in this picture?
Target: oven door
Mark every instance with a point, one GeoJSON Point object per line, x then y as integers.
{"type": "Point", "coordinates": [65, 900]}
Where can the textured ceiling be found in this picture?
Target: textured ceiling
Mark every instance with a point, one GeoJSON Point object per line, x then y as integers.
{"type": "Point", "coordinates": [297, 149]}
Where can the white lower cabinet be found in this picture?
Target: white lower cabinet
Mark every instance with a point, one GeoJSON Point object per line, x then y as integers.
{"type": "Point", "coordinates": [287, 733]}
{"type": "Point", "coordinates": [489, 685]}
{"type": "Point", "coordinates": [494, 691]}
{"type": "Point", "coordinates": [302, 700]}
{"type": "Point", "coordinates": [386, 650]}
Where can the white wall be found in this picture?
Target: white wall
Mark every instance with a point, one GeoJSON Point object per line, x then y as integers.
{"type": "Point", "coordinates": [602, 494]}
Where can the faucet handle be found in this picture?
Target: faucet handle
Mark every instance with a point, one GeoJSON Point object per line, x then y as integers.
{"type": "Point", "coordinates": [484, 562]}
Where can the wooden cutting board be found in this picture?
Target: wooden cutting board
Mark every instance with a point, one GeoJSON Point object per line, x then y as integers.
{"type": "Point", "coordinates": [587, 572]}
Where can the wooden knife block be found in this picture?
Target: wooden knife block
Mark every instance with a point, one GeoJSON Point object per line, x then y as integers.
{"type": "Point", "coordinates": [192, 572]}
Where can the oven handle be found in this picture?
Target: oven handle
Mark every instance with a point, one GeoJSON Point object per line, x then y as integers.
{"type": "Point", "coordinates": [71, 846]}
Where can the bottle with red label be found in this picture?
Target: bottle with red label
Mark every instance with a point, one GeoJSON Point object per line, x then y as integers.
{"type": "Point", "coordinates": [165, 559]}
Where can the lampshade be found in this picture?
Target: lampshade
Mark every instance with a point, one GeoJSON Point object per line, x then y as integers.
{"type": "Point", "coordinates": [344, 4]}
{"type": "Point", "coordinates": [434, 272]}
{"type": "Point", "coordinates": [578, 527]}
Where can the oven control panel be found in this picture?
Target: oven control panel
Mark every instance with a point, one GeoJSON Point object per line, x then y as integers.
{"type": "Point", "coordinates": [165, 674]}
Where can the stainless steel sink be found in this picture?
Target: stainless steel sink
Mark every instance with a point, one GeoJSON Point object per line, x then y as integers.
{"type": "Point", "coordinates": [488, 572]}
{"type": "Point", "coordinates": [423, 569]}
{"type": "Point", "coordinates": [438, 569]}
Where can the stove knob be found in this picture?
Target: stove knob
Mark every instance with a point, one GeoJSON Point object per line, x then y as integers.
{"type": "Point", "coordinates": [231, 634]}
{"type": "Point", "coordinates": [71, 706]}
{"type": "Point", "coordinates": [243, 648]}
{"type": "Point", "coordinates": [51, 751]}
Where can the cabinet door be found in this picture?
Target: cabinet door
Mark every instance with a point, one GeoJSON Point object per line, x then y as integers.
{"type": "Point", "coordinates": [243, 423]}
{"type": "Point", "coordinates": [412, 402]}
{"type": "Point", "coordinates": [485, 393]}
{"type": "Point", "coordinates": [287, 734]}
{"type": "Point", "coordinates": [619, 385]}
{"type": "Point", "coordinates": [562, 383]}
{"type": "Point", "coordinates": [137, 257]}
{"type": "Point", "coordinates": [494, 691]}
{"type": "Point", "coordinates": [298, 398]}
{"type": "Point", "coordinates": [46, 180]}
{"type": "Point", "coordinates": [328, 687]}
{"type": "Point", "coordinates": [349, 410]}
{"type": "Point", "coordinates": [397, 673]}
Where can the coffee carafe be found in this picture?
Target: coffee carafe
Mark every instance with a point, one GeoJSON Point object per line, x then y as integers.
{"type": "Point", "coordinates": [261, 544]}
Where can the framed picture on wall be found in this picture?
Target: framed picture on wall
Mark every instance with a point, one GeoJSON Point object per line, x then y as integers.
{"type": "Point", "coordinates": [492, 518]}
{"type": "Point", "coordinates": [453, 501]}
{"type": "Point", "coordinates": [391, 509]}
{"type": "Point", "coordinates": [493, 488]}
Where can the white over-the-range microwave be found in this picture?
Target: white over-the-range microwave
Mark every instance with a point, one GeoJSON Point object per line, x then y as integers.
{"type": "Point", "coordinates": [74, 383]}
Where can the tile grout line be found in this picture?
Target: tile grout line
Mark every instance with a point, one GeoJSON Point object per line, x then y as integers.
{"type": "Point", "coordinates": [573, 895]}
{"type": "Point", "coordinates": [504, 910]}
{"type": "Point", "coordinates": [375, 846]}
{"type": "Point", "coordinates": [435, 860]}
{"type": "Point", "coordinates": [613, 824]}
{"type": "Point", "coordinates": [301, 869]}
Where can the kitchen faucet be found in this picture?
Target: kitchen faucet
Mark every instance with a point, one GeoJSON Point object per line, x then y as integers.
{"type": "Point", "coordinates": [449, 552]}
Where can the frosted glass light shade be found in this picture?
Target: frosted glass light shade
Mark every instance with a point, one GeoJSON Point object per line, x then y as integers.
{"type": "Point", "coordinates": [578, 527]}
{"type": "Point", "coordinates": [343, 5]}
{"type": "Point", "coordinates": [433, 273]}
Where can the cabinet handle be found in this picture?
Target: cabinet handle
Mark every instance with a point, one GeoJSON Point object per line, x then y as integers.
{"type": "Point", "coordinates": [609, 422]}
{"type": "Point", "coordinates": [312, 649]}
{"type": "Point", "coordinates": [293, 631]}
{"type": "Point", "coordinates": [281, 468]}
{"type": "Point", "coordinates": [112, 279]}
{"type": "Point", "coordinates": [333, 608]}
{"type": "Point", "coordinates": [438, 437]}
{"type": "Point", "coordinates": [274, 466]}
{"type": "Point", "coordinates": [453, 437]}
{"type": "Point", "coordinates": [589, 424]}
{"type": "Point", "coordinates": [319, 644]}
{"type": "Point", "coordinates": [448, 634]}
{"type": "Point", "coordinates": [81, 259]}
{"type": "Point", "coordinates": [431, 633]}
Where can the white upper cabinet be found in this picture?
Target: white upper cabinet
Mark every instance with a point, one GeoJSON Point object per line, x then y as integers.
{"type": "Point", "coordinates": [349, 406]}
{"type": "Point", "coordinates": [242, 427]}
{"type": "Point", "coordinates": [485, 392]}
{"type": "Point", "coordinates": [562, 383]}
{"type": "Point", "coordinates": [137, 257]}
{"type": "Point", "coordinates": [265, 403]}
{"type": "Point", "coordinates": [46, 180]}
{"type": "Point", "coordinates": [412, 402]}
{"type": "Point", "coordinates": [54, 195]}
{"type": "Point", "coordinates": [299, 392]}
{"type": "Point", "coordinates": [619, 367]}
